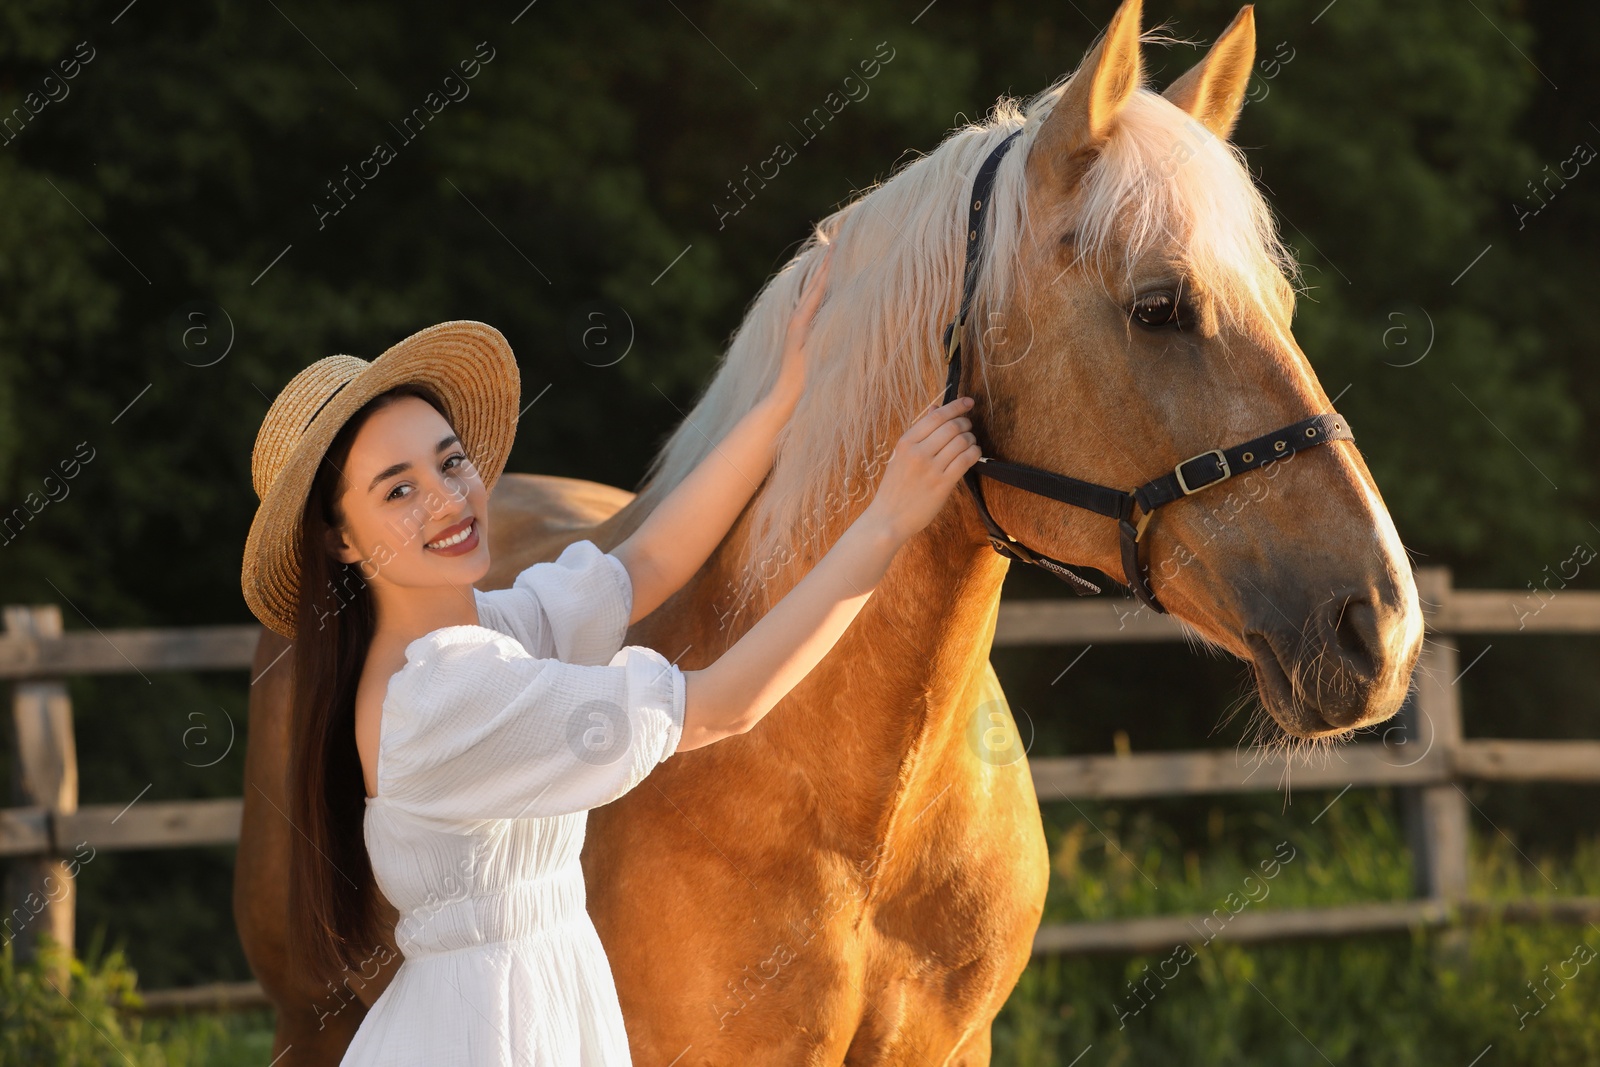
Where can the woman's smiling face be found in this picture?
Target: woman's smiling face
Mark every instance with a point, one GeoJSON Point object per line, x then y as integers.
{"type": "Point", "coordinates": [409, 494]}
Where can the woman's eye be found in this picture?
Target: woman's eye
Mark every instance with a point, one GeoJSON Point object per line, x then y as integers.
{"type": "Point", "coordinates": [456, 459]}
{"type": "Point", "coordinates": [1158, 310]}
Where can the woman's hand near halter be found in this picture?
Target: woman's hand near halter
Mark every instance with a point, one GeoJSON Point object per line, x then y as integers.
{"type": "Point", "coordinates": [735, 692]}
{"type": "Point", "coordinates": [685, 528]}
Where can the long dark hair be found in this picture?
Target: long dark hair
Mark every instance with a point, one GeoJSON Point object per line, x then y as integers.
{"type": "Point", "coordinates": [335, 918]}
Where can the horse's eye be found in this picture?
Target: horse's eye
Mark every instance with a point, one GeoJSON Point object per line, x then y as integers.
{"type": "Point", "coordinates": [1158, 310]}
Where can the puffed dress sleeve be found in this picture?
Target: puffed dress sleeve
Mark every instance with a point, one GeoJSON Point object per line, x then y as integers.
{"type": "Point", "coordinates": [573, 608]}
{"type": "Point", "coordinates": [473, 727]}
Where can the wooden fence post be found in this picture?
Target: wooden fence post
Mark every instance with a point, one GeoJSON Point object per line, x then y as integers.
{"type": "Point", "coordinates": [1437, 814]}
{"type": "Point", "coordinates": [40, 893]}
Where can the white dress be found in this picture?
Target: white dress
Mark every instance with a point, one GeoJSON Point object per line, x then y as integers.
{"type": "Point", "coordinates": [495, 742]}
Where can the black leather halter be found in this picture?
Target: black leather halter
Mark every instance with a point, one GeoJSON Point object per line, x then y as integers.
{"type": "Point", "coordinates": [1192, 475]}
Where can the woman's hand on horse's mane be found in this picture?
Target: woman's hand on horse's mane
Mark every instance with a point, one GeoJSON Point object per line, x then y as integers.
{"type": "Point", "coordinates": [680, 534]}
{"type": "Point", "coordinates": [797, 353]}
{"type": "Point", "coordinates": [929, 459]}
{"type": "Point", "coordinates": [737, 690]}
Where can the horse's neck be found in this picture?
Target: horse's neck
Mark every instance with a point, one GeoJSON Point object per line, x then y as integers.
{"type": "Point", "coordinates": [891, 693]}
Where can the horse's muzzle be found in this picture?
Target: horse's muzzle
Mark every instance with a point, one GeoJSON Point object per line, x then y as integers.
{"type": "Point", "coordinates": [1347, 666]}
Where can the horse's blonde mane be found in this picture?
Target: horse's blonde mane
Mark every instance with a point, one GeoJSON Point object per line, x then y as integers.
{"type": "Point", "coordinates": [878, 361]}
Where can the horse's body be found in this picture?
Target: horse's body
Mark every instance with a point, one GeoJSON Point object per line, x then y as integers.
{"type": "Point", "coordinates": [858, 879]}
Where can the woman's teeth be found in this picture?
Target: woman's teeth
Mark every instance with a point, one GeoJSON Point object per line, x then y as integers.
{"type": "Point", "coordinates": [465, 533]}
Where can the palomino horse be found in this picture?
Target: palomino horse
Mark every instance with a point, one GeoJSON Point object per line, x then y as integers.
{"type": "Point", "coordinates": [857, 879]}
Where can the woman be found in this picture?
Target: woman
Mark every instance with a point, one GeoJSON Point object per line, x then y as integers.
{"type": "Point", "coordinates": [485, 725]}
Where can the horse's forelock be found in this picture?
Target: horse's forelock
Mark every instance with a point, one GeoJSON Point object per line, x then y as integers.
{"type": "Point", "coordinates": [1163, 179]}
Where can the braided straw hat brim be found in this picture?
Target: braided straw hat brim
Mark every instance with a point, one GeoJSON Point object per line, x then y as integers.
{"type": "Point", "coordinates": [469, 365]}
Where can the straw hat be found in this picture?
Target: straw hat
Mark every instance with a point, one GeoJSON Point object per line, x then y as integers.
{"type": "Point", "coordinates": [468, 364]}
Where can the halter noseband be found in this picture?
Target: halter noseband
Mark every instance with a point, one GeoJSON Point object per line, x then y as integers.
{"type": "Point", "coordinates": [1192, 475]}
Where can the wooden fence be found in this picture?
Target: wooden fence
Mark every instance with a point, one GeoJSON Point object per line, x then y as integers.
{"type": "Point", "coordinates": [38, 835]}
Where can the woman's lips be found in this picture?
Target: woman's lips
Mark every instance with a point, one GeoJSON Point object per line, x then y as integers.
{"type": "Point", "coordinates": [461, 547]}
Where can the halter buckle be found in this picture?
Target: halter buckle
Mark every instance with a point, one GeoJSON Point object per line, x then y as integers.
{"type": "Point", "coordinates": [1222, 465]}
{"type": "Point", "coordinates": [952, 338]}
{"type": "Point", "coordinates": [1144, 520]}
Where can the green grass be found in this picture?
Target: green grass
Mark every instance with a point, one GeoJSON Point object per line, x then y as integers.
{"type": "Point", "coordinates": [97, 1027]}
{"type": "Point", "coordinates": [1439, 997]}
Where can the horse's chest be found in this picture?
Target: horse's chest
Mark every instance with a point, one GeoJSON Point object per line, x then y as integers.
{"type": "Point", "coordinates": [971, 904]}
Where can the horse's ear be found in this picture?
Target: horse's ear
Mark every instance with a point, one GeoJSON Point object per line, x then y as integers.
{"type": "Point", "coordinates": [1081, 119]}
{"type": "Point", "coordinates": [1213, 89]}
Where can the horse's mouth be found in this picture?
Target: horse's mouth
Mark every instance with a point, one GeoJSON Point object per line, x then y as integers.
{"type": "Point", "coordinates": [1277, 694]}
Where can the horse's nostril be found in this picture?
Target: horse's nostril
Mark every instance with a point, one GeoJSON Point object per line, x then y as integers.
{"type": "Point", "coordinates": [1343, 669]}
{"type": "Point", "coordinates": [1355, 631]}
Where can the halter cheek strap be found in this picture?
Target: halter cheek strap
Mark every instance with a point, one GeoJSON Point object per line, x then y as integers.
{"type": "Point", "coordinates": [1191, 476]}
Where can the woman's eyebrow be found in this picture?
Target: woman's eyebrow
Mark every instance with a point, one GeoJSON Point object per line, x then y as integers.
{"type": "Point", "coordinates": [400, 468]}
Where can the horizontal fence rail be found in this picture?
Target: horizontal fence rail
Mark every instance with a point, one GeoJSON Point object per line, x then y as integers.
{"type": "Point", "coordinates": [46, 822]}
{"type": "Point", "coordinates": [196, 648]}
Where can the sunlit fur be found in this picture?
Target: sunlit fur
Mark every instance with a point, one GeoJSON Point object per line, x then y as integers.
{"type": "Point", "coordinates": [896, 282]}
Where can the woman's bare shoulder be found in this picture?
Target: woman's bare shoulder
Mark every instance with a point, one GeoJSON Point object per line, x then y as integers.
{"type": "Point", "coordinates": [383, 662]}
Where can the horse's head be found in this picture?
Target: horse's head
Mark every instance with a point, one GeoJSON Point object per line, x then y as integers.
{"type": "Point", "coordinates": [1134, 312]}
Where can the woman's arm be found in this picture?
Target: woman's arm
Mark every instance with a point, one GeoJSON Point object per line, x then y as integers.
{"type": "Point", "coordinates": [685, 528]}
{"type": "Point", "coordinates": [735, 692]}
